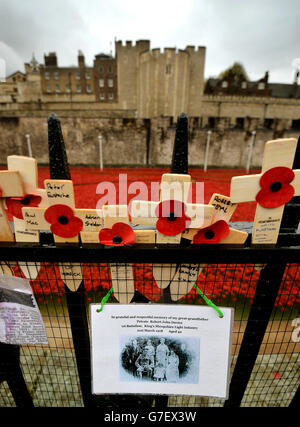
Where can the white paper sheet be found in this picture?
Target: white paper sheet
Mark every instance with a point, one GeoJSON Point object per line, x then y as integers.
{"type": "Point", "coordinates": [20, 319]}
{"type": "Point", "coordinates": [160, 349]}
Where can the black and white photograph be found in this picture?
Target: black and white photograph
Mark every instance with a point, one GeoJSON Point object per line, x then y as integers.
{"type": "Point", "coordinates": [160, 359]}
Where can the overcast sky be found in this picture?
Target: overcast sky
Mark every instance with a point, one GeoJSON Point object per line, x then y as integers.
{"type": "Point", "coordinates": [261, 34]}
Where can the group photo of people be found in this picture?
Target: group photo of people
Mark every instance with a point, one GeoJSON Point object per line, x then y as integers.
{"type": "Point", "coordinates": [155, 359]}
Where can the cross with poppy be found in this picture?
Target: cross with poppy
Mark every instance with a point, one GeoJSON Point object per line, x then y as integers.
{"type": "Point", "coordinates": [33, 196]}
{"type": "Point", "coordinates": [11, 185]}
{"type": "Point", "coordinates": [173, 214]}
{"type": "Point", "coordinates": [117, 232]}
{"type": "Point", "coordinates": [277, 184]}
{"type": "Point", "coordinates": [65, 222]}
{"type": "Point", "coordinates": [217, 232]}
{"type": "Point", "coordinates": [61, 217]}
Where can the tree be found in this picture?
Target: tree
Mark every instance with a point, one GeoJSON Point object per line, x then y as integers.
{"type": "Point", "coordinates": [237, 69]}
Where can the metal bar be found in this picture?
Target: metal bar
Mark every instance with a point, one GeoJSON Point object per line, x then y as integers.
{"type": "Point", "coordinates": [296, 399]}
{"type": "Point", "coordinates": [253, 136]}
{"type": "Point", "coordinates": [100, 152]}
{"type": "Point", "coordinates": [214, 254]}
{"type": "Point", "coordinates": [11, 372]}
{"type": "Point", "coordinates": [266, 292]}
{"type": "Point", "coordinates": [59, 169]}
{"type": "Point", "coordinates": [81, 341]}
{"type": "Point", "coordinates": [206, 150]}
{"type": "Point", "coordinates": [291, 215]}
{"type": "Point", "coordinates": [29, 145]}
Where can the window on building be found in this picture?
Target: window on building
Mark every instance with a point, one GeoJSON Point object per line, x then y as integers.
{"type": "Point", "coordinates": [47, 75]}
{"type": "Point", "coordinates": [261, 86]}
{"type": "Point", "coordinates": [110, 96]}
{"type": "Point", "coordinates": [78, 89]}
{"type": "Point", "coordinates": [168, 69]}
{"type": "Point", "coordinates": [268, 123]}
{"type": "Point", "coordinates": [244, 85]}
{"type": "Point", "coordinates": [102, 96]}
{"type": "Point", "coordinates": [110, 83]}
{"type": "Point", "coordinates": [68, 87]}
{"type": "Point", "coordinates": [88, 75]}
{"type": "Point", "coordinates": [211, 122]}
{"type": "Point", "coordinates": [56, 75]}
{"type": "Point", "coordinates": [296, 124]}
{"type": "Point", "coordinates": [48, 89]}
{"type": "Point", "coordinates": [224, 84]}
{"type": "Point", "coordinates": [101, 70]}
{"type": "Point", "coordinates": [110, 70]}
{"type": "Point", "coordinates": [77, 75]}
{"type": "Point", "coordinates": [57, 89]}
{"type": "Point", "coordinates": [101, 82]}
{"type": "Point", "coordinates": [88, 88]}
{"type": "Point", "coordinates": [240, 123]}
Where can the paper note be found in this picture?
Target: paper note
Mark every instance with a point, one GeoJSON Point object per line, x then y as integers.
{"type": "Point", "coordinates": [20, 319]}
{"type": "Point", "coordinates": [160, 349]}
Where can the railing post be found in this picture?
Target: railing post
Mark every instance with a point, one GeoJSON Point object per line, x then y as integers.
{"type": "Point", "coordinates": [59, 169]}
{"type": "Point", "coordinates": [10, 371]}
{"type": "Point", "coordinates": [265, 296]}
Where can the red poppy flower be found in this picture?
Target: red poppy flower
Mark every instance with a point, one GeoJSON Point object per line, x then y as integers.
{"type": "Point", "coordinates": [212, 234]}
{"type": "Point", "coordinates": [275, 187]}
{"type": "Point", "coordinates": [172, 219]}
{"type": "Point", "coordinates": [119, 235]}
{"type": "Point", "coordinates": [63, 222]}
{"type": "Point", "coordinates": [15, 204]}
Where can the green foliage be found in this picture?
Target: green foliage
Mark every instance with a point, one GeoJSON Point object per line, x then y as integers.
{"type": "Point", "coordinates": [237, 69]}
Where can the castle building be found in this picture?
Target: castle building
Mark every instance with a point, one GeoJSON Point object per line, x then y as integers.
{"type": "Point", "coordinates": [137, 82]}
{"type": "Point", "coordinates": [143, 83]}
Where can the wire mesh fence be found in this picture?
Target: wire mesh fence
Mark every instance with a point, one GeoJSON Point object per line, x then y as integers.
{"type": "Point", "coordinates": [51, 372]}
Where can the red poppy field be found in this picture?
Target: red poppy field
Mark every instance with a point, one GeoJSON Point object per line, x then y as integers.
{"type": "Point", "coordinates": [218, 282]}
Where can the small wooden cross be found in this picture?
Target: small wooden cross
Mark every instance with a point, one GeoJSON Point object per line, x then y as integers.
{"type": "Point", "coordinates": [121, 274]}
{"type": "Point", "coordinates": [223, 210]}
{"type": "Point", "coordinates": [187, 274]}
{"type": "Point", "coordinates": [11, 185]}
{"type": "Point", "coordinates": [61, 192]}
{"type": "Point", "coordinates": [266, 226]}
{"type": "Point", "coordinates": [173, 187]}
{"type": "Point", "coordinates": [27, 168]}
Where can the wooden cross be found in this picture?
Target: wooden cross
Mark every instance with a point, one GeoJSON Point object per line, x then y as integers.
{"type": "Point", "coordinates": [61, 192]}
{"type": "Point", "coordinates": [173, 187]}
{"type": "Point", "coordinates": [11, 185]}
{"type": "Point", "coordinates": [223, 210]}
{"type": "Point", "coordinates": [187, 274]}
{"type": "Point", "coordinates": [266, 226]}
{"type": "Point", "coordinates": [27, 168]}
{"type": "Point", "coordinates": [121, 274]}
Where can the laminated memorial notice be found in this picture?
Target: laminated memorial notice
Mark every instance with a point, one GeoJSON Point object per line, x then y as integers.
{"type": "Point", "coordinates": [160, 349]}
{"type": "Point", "coordinates": [20, 319]}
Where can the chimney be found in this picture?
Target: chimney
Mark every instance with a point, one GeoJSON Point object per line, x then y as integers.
{"type": "Point", "coordinates": [267, 76]}
{"type": "Point", "coordinates": [297, 73]}
{"type": "Point", "coordinates": [80, 59]}
{"type": "Point", "coordinates": [51, 60]}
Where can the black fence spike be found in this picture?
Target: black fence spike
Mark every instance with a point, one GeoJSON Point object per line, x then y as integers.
{"type": "Point", "coordinates": [180, 149]}
{"type": "Point", "coordinates": [58, 161]}
{"type": "Point", "coordinates": [291, 214]}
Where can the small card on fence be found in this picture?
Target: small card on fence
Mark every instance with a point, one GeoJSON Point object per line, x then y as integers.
{"type": "Point", "coordinates": [160, 349]}
{"type": "Point", "coordinates": [20, 319]}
